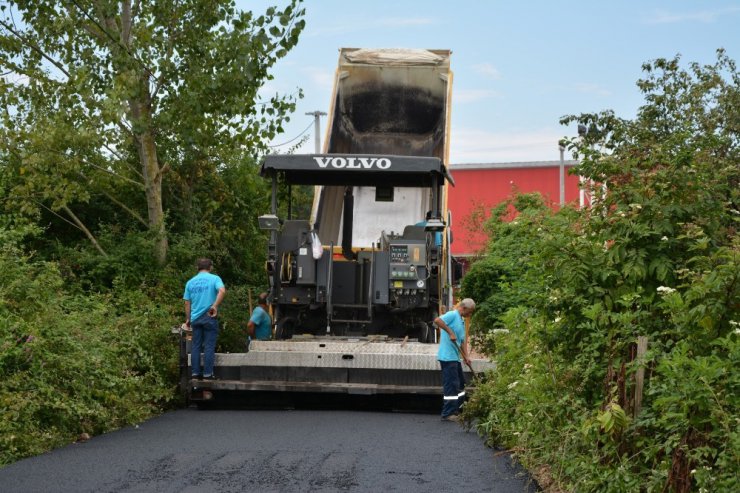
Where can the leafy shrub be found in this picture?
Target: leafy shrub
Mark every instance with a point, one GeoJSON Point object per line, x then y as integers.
{"type": "Point", "coordinates": [74, 363]}
{"type": "Point", "coordinates": [656, 256]}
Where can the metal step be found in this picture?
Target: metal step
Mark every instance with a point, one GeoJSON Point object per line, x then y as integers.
{"type": "Point", "coordinates": [319, 387]}
{"type": "Point", "coordinates": [362, 365]}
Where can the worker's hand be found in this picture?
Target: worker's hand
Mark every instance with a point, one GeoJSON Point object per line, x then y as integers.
{"type": "Point", "coordinates": [467, 361]}
{"type": "Point", "coordinates": [213, 311]}
{"type": "Point", "coordinates": [187, 323]}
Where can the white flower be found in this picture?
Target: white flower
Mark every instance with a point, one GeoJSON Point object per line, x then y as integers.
{"type": "Point", "coordinates": [665, 290]}
{"type": "Point", "coordinates": [623, 214]}
{"type": "Point", "coordinates": [512, 385]}
{"type": "Point", "coordinates": [665, 238]}
{"type": "Point", "coordinates": [557, 319]}
{"type": "Point", "coordinates": [734, 324]}
{"type": "Point", "coordinates": [527, 366]}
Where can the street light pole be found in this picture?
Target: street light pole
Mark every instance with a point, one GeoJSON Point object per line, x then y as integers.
{"type": "Point", "coordinates": [317, 129]}
{"type": "Point", "coordinates": [561, 146]}
{"type": "Point", "coordinates": [582, 131]}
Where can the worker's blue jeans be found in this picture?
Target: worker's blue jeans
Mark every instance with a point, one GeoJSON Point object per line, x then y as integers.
{"type": "Point", "coordinates": [453, 387]}
{"type": "Point", "coordinates": [205, 332]}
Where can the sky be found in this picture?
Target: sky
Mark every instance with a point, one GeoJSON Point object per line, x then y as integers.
{"type": "Point", "coordinates": [519, 66]}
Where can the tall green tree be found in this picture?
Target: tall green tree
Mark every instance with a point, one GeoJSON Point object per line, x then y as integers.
{"type": "Point", "coordinates": [112, 99]}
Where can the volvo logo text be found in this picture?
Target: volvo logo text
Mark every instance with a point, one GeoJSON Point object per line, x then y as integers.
{"type": "Point", "coordinates": [353, 162]}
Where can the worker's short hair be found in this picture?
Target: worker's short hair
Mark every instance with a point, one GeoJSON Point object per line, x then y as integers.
{"type": "Point", "coordinates": [204, 264]}
{"type": "Point", "coordinates": [468, 303]}
{"type": "Point", "coordinates": [262, 299]}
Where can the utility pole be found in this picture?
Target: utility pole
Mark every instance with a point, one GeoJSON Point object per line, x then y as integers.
{"type": "Point", "coordinates": [317, 128]}
{"type": "Point", "coordinates": [561, 146]}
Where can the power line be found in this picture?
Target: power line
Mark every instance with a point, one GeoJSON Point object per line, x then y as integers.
{"type": "Point", "coordinates": [294, 138]}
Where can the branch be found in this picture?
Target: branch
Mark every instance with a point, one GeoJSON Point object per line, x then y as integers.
{"type": "Point", "coordinates": [95, 33]}
{"type": "Point", "coordinates": [123, 206]}
{"type": "Point", "coordinates": [163, 169]}
{"type": "Point", "coordinates": [35, 48]}
{"type": "Point", "coordinates": [168, 56]}
{"type": "Point", "coordinates": [125, 161]}
{"type": "Point", "coordinates": [139, 185]}
{"type": "Point", "coordinates": [76, 224]}
{"type": "Point", "coordinates": [113, 173]}
{"type": "Point", "coordinates": [53, 212]}
{"type": "Point", "coordinates": [125, 128]}
{"type": "Point", "coordinates": [118, 202]}
{"type": "Point", "coordinates": [116, 42]}
{"type": "Point", "coordinates": [126, 22]}
{"type": "Point", "coordinates": [84, 230]}
{"type": "Point", "coordinates": [135, 10]}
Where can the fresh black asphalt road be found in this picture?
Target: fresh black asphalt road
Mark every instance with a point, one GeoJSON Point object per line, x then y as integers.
{"type": "Point", "coordinates": [274, 451]}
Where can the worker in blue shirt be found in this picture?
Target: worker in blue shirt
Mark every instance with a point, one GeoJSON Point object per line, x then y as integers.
{"type": "Point", "coordinates": [260, 323]}
{"type": "Point", "coordinates": [203, 294]}
{"type": "Point", "coordinates": [452, 347]}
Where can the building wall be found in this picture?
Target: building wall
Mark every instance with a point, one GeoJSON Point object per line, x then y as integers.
{"type": "Point", "coordinates": [484, 186]}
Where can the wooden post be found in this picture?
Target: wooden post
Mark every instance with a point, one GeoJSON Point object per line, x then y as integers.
{"type": "Point", "coordinates": [642, 343]}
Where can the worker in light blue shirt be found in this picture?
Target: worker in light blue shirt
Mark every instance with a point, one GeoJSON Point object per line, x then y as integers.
{"type": "Point", "coordinates": [452, 347]}
{"type": "Point", "coordinates": [260, 323]}
{"type": "Point", "coordinates": [203, 294]}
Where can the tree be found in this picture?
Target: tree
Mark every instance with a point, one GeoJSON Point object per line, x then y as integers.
{"type": "Point", "coordinates": [108, 98]}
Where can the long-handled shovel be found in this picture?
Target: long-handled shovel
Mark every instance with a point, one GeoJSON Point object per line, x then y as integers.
{"type": "Point", "coordinates": [459, 354]}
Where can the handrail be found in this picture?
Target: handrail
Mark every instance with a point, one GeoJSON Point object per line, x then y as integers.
{"type": "Point", "coordinates": [329, 282]}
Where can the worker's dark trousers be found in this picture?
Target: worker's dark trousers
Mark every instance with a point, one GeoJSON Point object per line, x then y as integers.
{"type": "Point", "coordinates": [453, 387]}
{"type": "Point", "coordinates": [205, 333]}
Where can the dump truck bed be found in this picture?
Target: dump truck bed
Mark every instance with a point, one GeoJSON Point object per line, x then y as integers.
{"type": "Point", "coordinates": [385, 102]}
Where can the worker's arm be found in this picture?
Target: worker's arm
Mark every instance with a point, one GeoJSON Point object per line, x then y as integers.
{"type": "Point", "coordinates": [442, 325]}
{"type": "Point", "coordinates": [213, 311]}
{"type": "Point", "coordinates": [250, 328]}
{"type": "Point", "coordinates": [187, 313]}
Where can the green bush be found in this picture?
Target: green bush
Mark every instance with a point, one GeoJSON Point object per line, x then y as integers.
{"type": "Point", "coordinates": [75, 363]}
{"type": "Point", "coordinates": [657, 256]}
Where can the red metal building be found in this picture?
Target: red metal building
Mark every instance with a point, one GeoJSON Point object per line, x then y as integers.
{"type": "Point", "coordinates": [480, 187]}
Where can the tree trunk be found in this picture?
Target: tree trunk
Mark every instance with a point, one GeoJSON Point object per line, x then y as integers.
{"type": "Point", "coordinates": [140, 115]}
{"type": "Point", "coordinates": [144, 135]}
